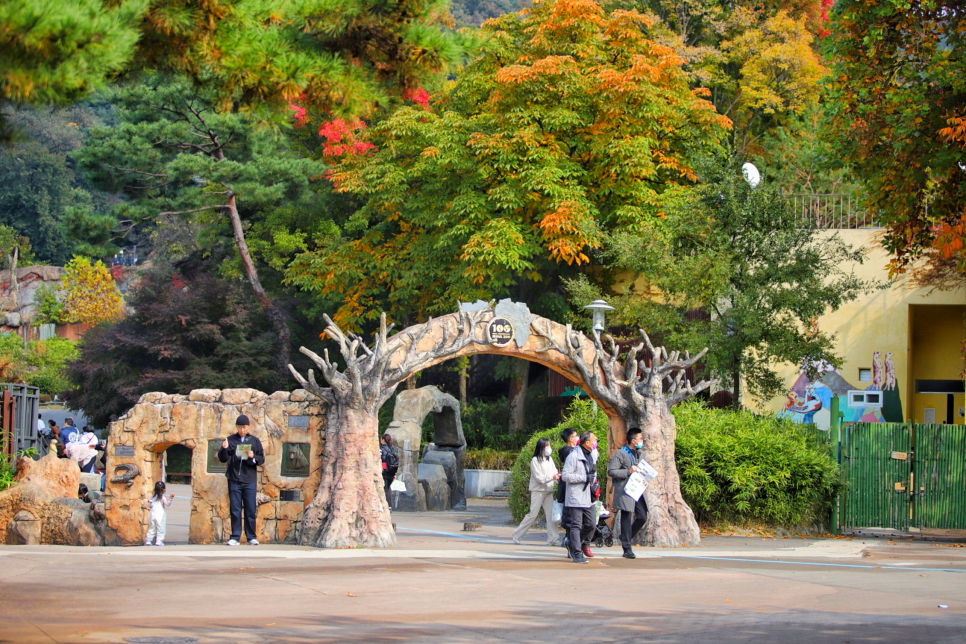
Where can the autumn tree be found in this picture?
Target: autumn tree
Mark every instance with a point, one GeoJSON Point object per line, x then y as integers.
{"type": "Point", "coordinates": [341, 57]}
{"type": "Point", "coordinates": [89, 294]}
{"type": "Point", "coordinates": [570, 124]}
{"type": "Point", "coordinates": [897, 91]}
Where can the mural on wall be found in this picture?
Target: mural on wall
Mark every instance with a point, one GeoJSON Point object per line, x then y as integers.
{"type": "Point", "coordinates": [811, 401]}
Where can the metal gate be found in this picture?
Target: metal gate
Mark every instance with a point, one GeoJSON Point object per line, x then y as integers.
{"type": "Point", "coordinates": [903, 476]}
{"type": "Point", "coordinates": [18, 419]}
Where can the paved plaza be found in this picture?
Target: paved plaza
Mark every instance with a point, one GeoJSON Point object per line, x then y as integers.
{"type": "Point", "coordinates": [440, 585]}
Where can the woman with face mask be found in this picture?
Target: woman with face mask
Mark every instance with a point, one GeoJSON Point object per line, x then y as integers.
{"type": "Point", "coordinates": [543, 473]}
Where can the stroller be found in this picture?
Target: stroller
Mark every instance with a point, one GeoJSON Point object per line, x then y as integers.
{"type": "Point", "coordinates": [603, 535]}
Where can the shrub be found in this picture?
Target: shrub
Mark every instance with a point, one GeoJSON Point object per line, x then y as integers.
{"type": "Point", "coordinates": [43, 364]}
{"type": "Point", "coordinates": [489, 459]}
{"type": "Point", "coordinates": [737, 467]}
{"type": "Point", "coordinates": [581, 416]}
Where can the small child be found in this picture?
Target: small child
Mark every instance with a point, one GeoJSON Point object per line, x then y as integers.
{"type": "Point", "coordinates": [157, 523]}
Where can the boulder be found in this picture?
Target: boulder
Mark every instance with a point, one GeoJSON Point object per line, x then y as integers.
{"type": "Point", "coordinates": [280, 396]}
{"type": "Point", "coordinates": [152, 397]}
{"type": "Point", "coordinates": [238, 396]}
{"type": "Point", "coordinates": [432, 478]}
{"type": "Point", "coordinates": [414, 501]}
{"type": "Point", "coordinates": [25, 529]}
{"type": "Point", "coordinates": [56, 477]}
{"type": "Point", "coordinates": [13, 319]}
{"type": "Point", "coordinates": [205, 395]}
{"type": "Point", "coordinates": [452, 459]}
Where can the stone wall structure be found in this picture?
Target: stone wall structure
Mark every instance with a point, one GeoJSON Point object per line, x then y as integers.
{"type": "Point", "coordinates": [436, 483]}
{"type": "Point", "coordinates": [290, 426]}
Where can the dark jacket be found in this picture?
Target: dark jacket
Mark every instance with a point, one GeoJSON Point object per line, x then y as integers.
{"type": "Point", "coordinates": [389, 456]}
{"type": "Point", "coordinates": [618, 469]}
{"type": "Point", "coordinates": [242, 470]}
{"type": "Point", "coordinates": [563, 453]}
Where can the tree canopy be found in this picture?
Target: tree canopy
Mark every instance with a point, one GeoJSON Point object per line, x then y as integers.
{"type": "Point", "coordinates": [569, 124]}
{"type": "Point", "coordinates": [897, 91]}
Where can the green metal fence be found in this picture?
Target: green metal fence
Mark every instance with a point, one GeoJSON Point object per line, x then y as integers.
{"type": "Point", "coordinates": [902, 476]}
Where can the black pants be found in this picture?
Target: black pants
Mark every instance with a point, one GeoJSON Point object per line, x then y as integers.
{"type": "Point", "coordinates": [239, 495]}
{"type": "Point", "coordinates": [386, 482]}
{"type": "Point", "coordinates": [628, 529]}
{"type": "Point", "coordinates": [582, 526]}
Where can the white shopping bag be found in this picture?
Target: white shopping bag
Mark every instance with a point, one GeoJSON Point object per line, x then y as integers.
{"type": "Point", "coordinates": [557, 511]}
{"type": "Point", "coordinates": [397, 486]}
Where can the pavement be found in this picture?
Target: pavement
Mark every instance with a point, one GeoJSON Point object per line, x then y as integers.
{"type": "Point", "coordinates": [443, 585]}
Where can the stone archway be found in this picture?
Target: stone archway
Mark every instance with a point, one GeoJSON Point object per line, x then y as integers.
{"type": "Point", "coordinates": [350, 508]}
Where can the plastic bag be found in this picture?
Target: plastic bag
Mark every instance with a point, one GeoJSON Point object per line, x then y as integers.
{"type": "Point", "coordinates": [557, 511]}
{"type": "Point", "coordinates": [397, 486]}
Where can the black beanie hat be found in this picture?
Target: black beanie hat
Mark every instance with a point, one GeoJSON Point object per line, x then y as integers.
{"type": "Point", "coordinates": [242, 420]}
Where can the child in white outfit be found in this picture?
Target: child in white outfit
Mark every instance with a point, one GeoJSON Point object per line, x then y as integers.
{"type": "Point", "coordinates": [158, 520]}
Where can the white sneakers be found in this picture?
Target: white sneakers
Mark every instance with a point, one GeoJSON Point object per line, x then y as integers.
{"type": "Point", "coordinates": [233, 542]}
{"type": "Point", "coordinates": [253, 542]}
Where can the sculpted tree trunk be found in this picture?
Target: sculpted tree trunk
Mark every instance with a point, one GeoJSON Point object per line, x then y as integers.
{"type": "Point", "coordinates": [350, 508]}
{"type": "Point", "coordinates": [643, 389]}
{"type": "Point", "coordinates": [517, 400]}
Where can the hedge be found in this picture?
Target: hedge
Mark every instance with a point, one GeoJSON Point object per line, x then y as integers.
{"type": "Point", "coordinates": [735, 467]}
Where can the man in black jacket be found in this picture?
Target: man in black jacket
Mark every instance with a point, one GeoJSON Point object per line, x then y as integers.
{"type": "Point", "coordinates": [244, 454]}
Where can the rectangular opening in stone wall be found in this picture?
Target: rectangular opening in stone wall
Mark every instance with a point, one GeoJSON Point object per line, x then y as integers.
{"type": "Point", "coordinates": [295, 459]}
{"type": "Point", "coordinates": [177, 464]}
{"type": "Point", "coordinates": [212, 464]}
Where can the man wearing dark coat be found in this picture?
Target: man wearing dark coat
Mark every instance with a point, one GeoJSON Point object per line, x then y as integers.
{"type": "Point", "coordinates": [619, 469]}
{"type": "Point", "coordinates": [244, 454]}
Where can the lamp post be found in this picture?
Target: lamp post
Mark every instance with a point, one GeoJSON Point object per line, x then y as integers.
{"type": "Point", "coordinates": [599, 309]}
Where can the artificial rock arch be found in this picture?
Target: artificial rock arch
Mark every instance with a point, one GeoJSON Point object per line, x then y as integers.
{"type": "Point", "coordinates": [350, 508]}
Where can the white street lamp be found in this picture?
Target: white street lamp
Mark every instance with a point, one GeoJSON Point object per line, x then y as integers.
{"type": "Point", "coordinates": [751, 174]}
{"type": "Point", "coordinates": [599, 308]}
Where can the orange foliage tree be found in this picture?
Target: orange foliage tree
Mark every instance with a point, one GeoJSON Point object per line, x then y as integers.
{"type": "Point", "coordinates": [569, 125]}
{"type": "Point", "coordinates": [896, 96]}
{"type": "Point", "coordinates": [89, 293]}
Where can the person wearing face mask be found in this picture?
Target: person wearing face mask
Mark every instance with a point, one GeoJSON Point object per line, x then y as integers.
{"type": "Point", "coordinates": [633, 511]}
{"type": "Point", "coordinates": [543, 473]}
{"type": "Point", "coordinates": [580, 472]}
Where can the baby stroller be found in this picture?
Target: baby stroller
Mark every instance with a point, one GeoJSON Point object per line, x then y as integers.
{"type": "Point", "coordinates": [603, 535]}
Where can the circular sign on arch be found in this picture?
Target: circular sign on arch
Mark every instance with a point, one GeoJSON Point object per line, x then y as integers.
{"type": "Point", "coordinates": [500, 332]}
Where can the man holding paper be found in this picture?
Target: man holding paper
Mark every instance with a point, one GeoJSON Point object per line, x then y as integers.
{"type": "Point", "coordinates": [244, 454]}
{"type": "Point", "coordinates": [630, 474]}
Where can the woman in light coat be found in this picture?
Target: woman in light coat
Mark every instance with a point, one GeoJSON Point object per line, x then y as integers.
{"type": "Point", "coordinates": [543, 473]}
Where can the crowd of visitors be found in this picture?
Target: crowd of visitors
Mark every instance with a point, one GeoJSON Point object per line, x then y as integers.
{"type": "Point", "coordinates": [80, 445]}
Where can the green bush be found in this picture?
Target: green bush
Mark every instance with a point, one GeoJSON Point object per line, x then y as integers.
{"type": "Point", "coordinates": [489, 459]}
{"type": "Point", "coordinates": [739, 468]}
{"type": "Point", "coordinates": [582, 417]}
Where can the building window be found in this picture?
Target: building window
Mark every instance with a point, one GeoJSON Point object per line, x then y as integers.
{"type": "Point", "coordinates": [865, 398]}
{"type": "Point", "coordinates": [865, 375]}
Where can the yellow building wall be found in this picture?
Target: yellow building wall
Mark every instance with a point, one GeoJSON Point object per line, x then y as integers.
{"type": "Point", "coordinates": [937, 331]}
{"type": "Point", "coordinates": [877, 321]}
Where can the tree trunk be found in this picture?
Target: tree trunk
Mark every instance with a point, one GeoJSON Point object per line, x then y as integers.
{"type": "Point", "coordinates": [736, 389]}
{"type": "Point", "coordinates": [350, 508]}
{"type": "Point", "coordinates": [671, 522]}
{"type": "Point", "coordinates": [274, 314]}
{"type": "Point", "coordinates": [517, 401]}
{"type": "Point", "coordinates": [464, 366]}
